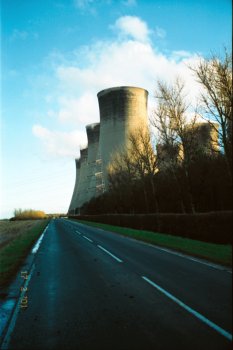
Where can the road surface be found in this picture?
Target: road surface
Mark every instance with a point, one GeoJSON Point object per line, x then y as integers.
{"type": "Point", "coordinates": [91, 289]}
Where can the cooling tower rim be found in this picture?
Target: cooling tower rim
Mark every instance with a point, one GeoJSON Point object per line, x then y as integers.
{"type": "Point", "coordinates": [83, 153]}
{"type": "Point", "coordinates": [117, 88]}
{"type": "Point", "coordinates": [92, 126]}
{"type": "Point", "coordinates": [83, 148]}
{"type": "Point", "coordinates": [211, 123]}
{"type": "Point", "coordinates": [200, 124]}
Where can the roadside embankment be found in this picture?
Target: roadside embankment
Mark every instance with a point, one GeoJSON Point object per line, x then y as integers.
{"type": "Point", "coordinates": [17, 239]}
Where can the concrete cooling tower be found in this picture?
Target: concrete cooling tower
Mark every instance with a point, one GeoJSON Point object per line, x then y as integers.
{"type": "Point", "coordinates": [204, 138]}
{"type": "Point", "coordinates": [123, 110]}
{"type": "Point", "coordinates": [168, 155]}
{"type": "Point", "coordinates": [81, 191]}
{"type": "Point", "coordinates": [93, 131]}
{"type": "Point", "coordinates": [75, 192]}
{"type": "Point", "coordinates": [201, 138]}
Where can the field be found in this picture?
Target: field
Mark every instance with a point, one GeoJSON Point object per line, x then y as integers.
{"type": "Point", "coordinates": [16, 240]}
{"type": "Point", "coordinates": [11, 229]}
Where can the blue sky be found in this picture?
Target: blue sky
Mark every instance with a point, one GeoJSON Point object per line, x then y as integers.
{"type": "Point", "coordinates": [57, 55]}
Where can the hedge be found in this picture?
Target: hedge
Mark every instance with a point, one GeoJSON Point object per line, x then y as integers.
{"type": "Point", "coordinates": [215, 227]}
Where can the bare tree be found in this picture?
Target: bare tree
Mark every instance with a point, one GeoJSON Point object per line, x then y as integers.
{"type": "Point", "coordinates": [215, 76]}
{"type": "Point", "coordinates": [144, 161]}
{"type": "Point", "coordinates": [136, 162]}
{"type": "Point", "coordinates": [176, 133]}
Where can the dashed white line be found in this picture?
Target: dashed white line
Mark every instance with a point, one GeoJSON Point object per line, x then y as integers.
{"type": "Point", "coordinates": [88, 239]}
{"type": "Point", "coordinates": [190, 310]}
{"type": "Point", "coordinates": [170, 251]}
{"type": "Point", "coordinates": [78, 232]}
{"type": "Point", "coordinates": [112, 255]}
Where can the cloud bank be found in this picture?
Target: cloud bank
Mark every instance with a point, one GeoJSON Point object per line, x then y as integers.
{"type": "Point", "coordinates": [131, 58]}
{"type": "Point", "coordinates": [60, 144]}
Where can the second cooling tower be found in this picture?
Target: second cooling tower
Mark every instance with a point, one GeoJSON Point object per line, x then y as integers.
{"type": "Point", "coordinates": [93, 131]}
{"type": "Point", "coordinates": [123, 110]}
{"type": "Point", "coordinates": [81, 192]}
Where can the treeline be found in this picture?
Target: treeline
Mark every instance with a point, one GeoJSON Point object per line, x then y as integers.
{"type": "Point", "coordinates": [31, 214]}
{"type": "Point", "coordinates": [28, 214]}
{"type": "Point", "coordinates": [189, 167]}
{"type": "Point", "coordinates": [209, 187]}
{"type": "Point", "coordinates": [208, 227]}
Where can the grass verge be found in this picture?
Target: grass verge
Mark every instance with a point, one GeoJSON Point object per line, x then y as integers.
{"type": "Point", "coordinates": [218, 253]}
{"type": "Point", "coordinates": [14, 253]}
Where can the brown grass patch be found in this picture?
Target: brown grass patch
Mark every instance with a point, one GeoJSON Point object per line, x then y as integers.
{"type": "Point", "coordinates": [11, 229]}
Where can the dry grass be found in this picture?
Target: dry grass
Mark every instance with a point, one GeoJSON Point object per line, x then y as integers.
{"type": "Point", "coordinates": [19, 239]}
{"type": "Point", "coordinates": [11, 229]}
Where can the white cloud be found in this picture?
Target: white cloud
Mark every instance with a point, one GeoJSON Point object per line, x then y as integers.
{"type": "Point", "coordinates": [129, 60]}
{"type": "Point", "coordinates": [80, 110]}
{"type": "Point", "coordinates": [60, 144]}
{"type": "Point", "coordinates": [180, 54]}
{"type": "Point", "coordinates": [133, 27]}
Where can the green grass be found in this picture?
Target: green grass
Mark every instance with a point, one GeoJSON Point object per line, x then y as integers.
{"type": "Point", "coordinates": [14, 253]}
{"type": "Point", "coordinates": [218, 253]}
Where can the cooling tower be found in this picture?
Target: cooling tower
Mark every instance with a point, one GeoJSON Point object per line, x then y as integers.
{"type": "Point", "coordinates": [81, 194]}
{"type": "Point", "coordinates": [204, 138]}
{"type": "Point", "coordinates": [167, 156]}
{"type": "Point", "coordinates": [93, 131]}
{"type": "Point", "coordinates": [123, 110]}
{"type": "Point", "coordinates": [74, 196]}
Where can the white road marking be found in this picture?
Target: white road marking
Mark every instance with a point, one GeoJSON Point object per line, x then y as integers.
{"type": "Point", "coordinates": [37, 245]}
{"type": "Point", "coordinates": [88, 239]}
{"type": "Point", "coordinates": [112, 255]}
{"type": "Point", "coordinates": [170, 251]}
{"type": "Point", "coordinates": [78, 232]}
{"type": "Point", "coordinates": [190, 310]}
{"type": "Point", "coordinates": [11, 327]}
{"type": "Point", "coordinates": [215, 266]}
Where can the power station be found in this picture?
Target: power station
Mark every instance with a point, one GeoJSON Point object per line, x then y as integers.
{"type": "Point", "coordinates": [123, 112]}
{"type": "Point", "coordinates": [200, 138]}
{"type": "Point", "coordinates": [93, 132]}
{"type": "Point", "coordinates": [75, 192]}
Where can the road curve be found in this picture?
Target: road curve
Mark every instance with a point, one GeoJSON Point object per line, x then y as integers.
{"type": "Point", "coordinates": [92, 289]}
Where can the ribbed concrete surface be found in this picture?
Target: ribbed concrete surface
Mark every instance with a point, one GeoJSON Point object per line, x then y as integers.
{"type": "Point", "coordinates": [93, 131]}
{"type": "Point", "coordinates": [75, 192]}
{"type": "Point", "coordinates": [83, 182]}
{"type": "Point", "coordinates": [123, 110]}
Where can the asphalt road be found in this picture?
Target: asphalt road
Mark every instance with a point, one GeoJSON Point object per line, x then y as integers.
{"type": "Point", "coordinates": [91, 289]}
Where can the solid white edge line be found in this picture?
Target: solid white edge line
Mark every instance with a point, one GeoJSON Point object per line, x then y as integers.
{"type": "Point", "coordinates": [112, 255]}
{"type": "Point", "coordinates": [88, 239]}
{"type": "Point", "coordinates": [190, 310]}
{"type": "Point", "coordinates": [215, 266]}
{"type": "Point", "coordinates": [38, 243]}
{"type": "Point", "coordinates": [11, 326]}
